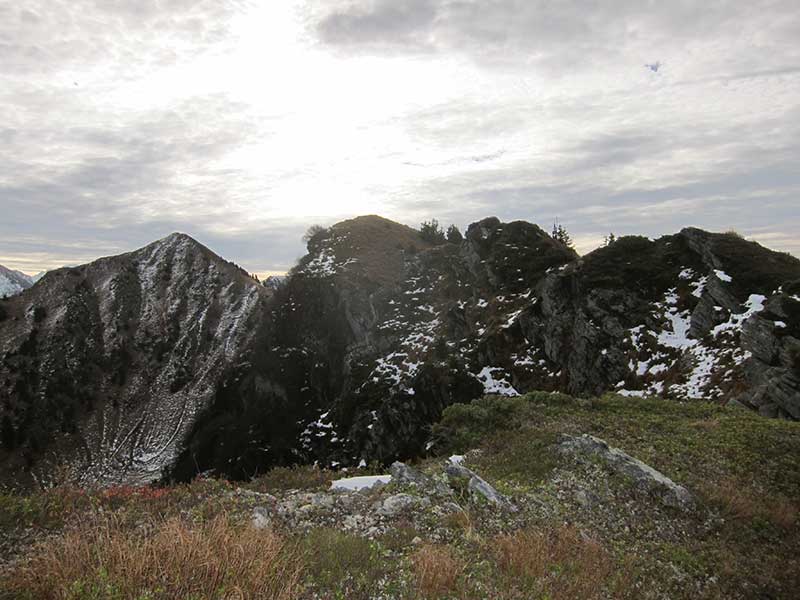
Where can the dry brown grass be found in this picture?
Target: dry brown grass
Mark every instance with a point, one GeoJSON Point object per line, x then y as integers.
{"type": "Point", "coordinates": [463, 521]}
{"type": "Point", "coordinates": [705, 424]}
{"type": "Point", "coordinates": [459, 519]}
{"type": "Point", "coordinates": [436, 571]}
{"type": "Point", "coordinates": [740, 502]}
{"type": "Point", "coordinates": [559, 564]}
{"type": "Point", "coordinates": [172, 559]}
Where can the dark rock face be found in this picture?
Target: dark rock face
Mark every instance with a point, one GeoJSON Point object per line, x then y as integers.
{"type": "Point", "coordinates": [373, 334]}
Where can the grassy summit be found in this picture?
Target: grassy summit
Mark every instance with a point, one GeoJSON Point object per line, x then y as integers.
{"type": "Point", "coordinates": [580, 529]}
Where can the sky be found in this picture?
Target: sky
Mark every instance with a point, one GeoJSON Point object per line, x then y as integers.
{"type": "Point", "coordinates": [241, 122]}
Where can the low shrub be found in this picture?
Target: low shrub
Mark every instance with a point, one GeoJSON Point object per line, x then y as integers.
{"type": "Point", "coordinates": [343, 563]}
{"type": "Point", "coordinates": [301, 477]}
{"type": "Point", "coordinates": [463, 426]}
{"type": "Point", "coordinates": [48, 509]}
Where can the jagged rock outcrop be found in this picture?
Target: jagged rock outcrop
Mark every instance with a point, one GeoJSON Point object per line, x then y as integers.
{"type": "Point", "coordinates": [353, 356]}
{"type": "Point", "coordinates": [105, 367]}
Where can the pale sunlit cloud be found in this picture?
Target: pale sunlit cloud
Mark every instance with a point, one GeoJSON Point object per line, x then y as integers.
{"type": "Point", "coordinates": [243, 122]}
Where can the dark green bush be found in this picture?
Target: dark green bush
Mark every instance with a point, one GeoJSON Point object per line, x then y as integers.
{"type": "Point", "coordinates": [463, 426]}
{"type": "Point", "coordinates": [430, 231]}
{"type": "Point", "coordinates": [343, 563]}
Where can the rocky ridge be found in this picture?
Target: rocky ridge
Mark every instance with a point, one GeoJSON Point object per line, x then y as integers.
{"type": "Point", "coordinates": [377, 331]}
{"type": "Point", "coordinates": [353, 356]}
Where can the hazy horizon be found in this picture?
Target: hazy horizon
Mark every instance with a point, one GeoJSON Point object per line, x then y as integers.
{"type": "Point", "coordinates": [242, 122]}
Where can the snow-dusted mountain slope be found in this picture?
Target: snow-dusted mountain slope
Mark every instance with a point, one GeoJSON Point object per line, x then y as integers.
{"type": "Point", "coordinates": [105, 366]}
{"type": "Point", "coordinates": [13, 282]}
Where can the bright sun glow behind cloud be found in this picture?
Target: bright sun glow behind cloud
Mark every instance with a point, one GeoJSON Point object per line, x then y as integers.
{"type": "Point", "coordinates": [242, 122]}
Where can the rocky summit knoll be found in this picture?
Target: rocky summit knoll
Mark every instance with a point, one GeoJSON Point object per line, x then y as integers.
{"type": "Point", "coordinates": [170, 361]}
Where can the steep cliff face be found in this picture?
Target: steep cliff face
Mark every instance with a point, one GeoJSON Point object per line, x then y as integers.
{"type": "Point", "coordinates": [105, 367]}
{"type": "Point", "coordinates": [171, 360]}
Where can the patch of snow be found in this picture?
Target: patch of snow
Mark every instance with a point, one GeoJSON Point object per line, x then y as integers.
{"type": "Point", "coordinates": [699, 286]}
{"type": "Point", "coordinates": [679, 336]}
{"type": "Point", "coordinates": [360, 483]}
{"type": "Point", "coordinates": [456, 459]}
{"type": "Point", "coordinates": [511, 318]}
{"type": "Point", "coordinates": [524, 361]}
{"type": "Point", "coordinates": [753, 305]}
{"type": "Point", "coordinates": [780, 324]}
{"type": "Point", "coordinates": [495, 385]}
{"type": "Point", "coordinates": [631, 393]}
{"type": "Point", "coordinates": [325, 265]}
{"type": "Point", "coordinates": [686, 274]}
{"type": "Point", "coordinates": [722, 276]}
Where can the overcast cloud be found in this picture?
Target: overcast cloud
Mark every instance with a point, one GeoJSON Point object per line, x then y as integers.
{"type": "Point", "coordinates": [242, 122]}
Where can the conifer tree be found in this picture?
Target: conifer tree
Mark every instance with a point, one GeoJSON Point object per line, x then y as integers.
{"type": "Point", "coordinates": [432, 232]}
{"type": "Point", "coordinates": [560, 235]}
{"type": "Point", "coordinates": [454, 235]}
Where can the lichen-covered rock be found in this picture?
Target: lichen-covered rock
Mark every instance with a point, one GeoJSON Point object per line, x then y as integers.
{"type": "Point", "coordinates": [261, 518]}
{"type": "Point", "coordinates": [644, 477]}
{"type": "Point", "coordinates": [399, 503]}
{"type": "Point", "coordinates": [405, 475]}
{"type": "Point", "coordinates": [462, 477]}
{"type": "Point", "coordinates": [402, 474]}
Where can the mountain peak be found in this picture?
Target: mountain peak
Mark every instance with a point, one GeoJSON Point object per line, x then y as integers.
{"type": "Point", "coordinates": [13, 282]}
{"type": "Point", "coordinates": [177, 237]}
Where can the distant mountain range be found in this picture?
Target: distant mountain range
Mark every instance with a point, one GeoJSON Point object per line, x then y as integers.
{"type": "Point", "coordinates": [14, 282]}
{"type": "Point", "coordinates": [169, 361]}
